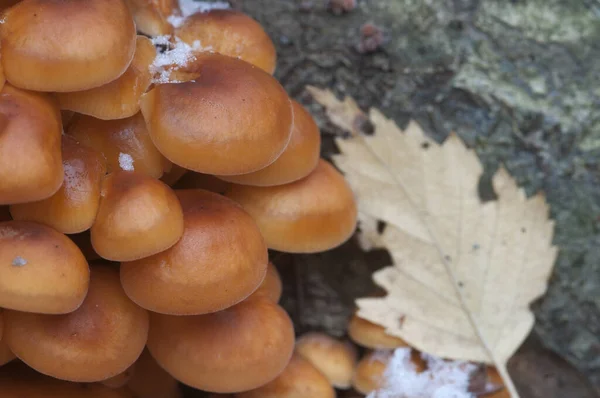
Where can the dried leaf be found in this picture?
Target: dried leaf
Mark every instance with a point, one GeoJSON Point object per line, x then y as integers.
{"type": "Point", "coordinates": [465, 272]}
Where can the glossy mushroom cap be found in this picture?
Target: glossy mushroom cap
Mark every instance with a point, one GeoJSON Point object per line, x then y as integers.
{"type": "Point", "coordinates": [300, 379]}
{"type": "Point", "coordinates": [270, 288]}
{"type": "Point", "coordinates": [124, 143]}
{"type": "Point", "coordinates": [41, 270]}
{"type": "Point", "coordinates": [30, 158]}
{"type": "Point", "coordinates": [99, 340]}
{"type": "Point", "coordinates": [314, 214]}
{"type": "Point", "coordinates": [193, 180]}
{"type": "Point", "coordinates": [73, 207]}
{"type": "Point", "coordinates": [120, 98]}
{"type": "Point", "coordinates": [231, 33]}
{"type": "Point", "coordinates": [237, 349]}
{"type": "Point", "coordinates": [151, 16]}
{"type": "Point", "coordinates": [16, 381]}
{"type": "Point", "coordinates": [138, 217]}
{"type": "Point", "coordinates": [50, 45]}
{"type": "Point", "coordinates": [220, 260]}
{"type": "Point", "coordinates": [334, 358]}
{"type": "Point", "coordinates": [297, 161]}
{"type": "Point", "coordinates": [209, 124]}
{"type": "Point", "coordinates": [370, 335]}
{"type": "Point", "coordinates": [369, 372]}
{"type": "Point", "coordinates": [149, 380]}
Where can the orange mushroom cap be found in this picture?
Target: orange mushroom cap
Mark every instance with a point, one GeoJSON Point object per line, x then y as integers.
{"type": "Point", "coordinates": [17, 380]}
{"type": "Point", "coordinates": [30, 154]}
{"type": "Point", "coordinates": [271, 287]}
{"type": "Point", "coordinates": [297, 161]}
{"type": "Point", "coordinates": [300, 379]}
{"type": "Point", "coordinates": [125, 143]}
{"type": "Point", "coordinates": [230, 33]}
{"type": "Point", "coordinates": [237, 349]}
{"type": "Point", "coordinates": [51, 45]}
{"type": "Point", "coordinates": [313, 214]}
{"type": "Point", "coordinates": [149, 380]}
{"type": "Point", "coordinates": [370, 370]}
{"type": "Point", "coordinates": [151, 16]}
{"type": "Point", "coordinates": [73, 207]}
{"type": "Point", "coordinates": [120, 98]}
{"type": "Point", "coordinates": [138, 216]}
{"type": "Point", "coordinates": [336, 359]}
{"type": "Point", "coordinates": [41, 270]}
{"type": "Point", "coordinates": [370, 335]}
{"type": "Point", "coordinates": [208, 124]}
{"type": "Point", "coordinates": [99, 340]}
{"type": "Point", "coordinates": [220, 260]}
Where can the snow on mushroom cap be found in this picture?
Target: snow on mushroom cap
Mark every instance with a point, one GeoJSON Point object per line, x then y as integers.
{"type": "Point", "coordinates": [189, 7]}
{"type": "Point", "coordinates": [442, 379]}
{"type": "Point", "coordinates": [177, 55]}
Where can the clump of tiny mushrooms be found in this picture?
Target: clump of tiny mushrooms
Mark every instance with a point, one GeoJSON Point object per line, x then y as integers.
{"type": "Point", "coordinates": [148, 161]}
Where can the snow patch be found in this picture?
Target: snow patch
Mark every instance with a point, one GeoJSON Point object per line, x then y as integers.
{"type": "Point", "coordinates": [126, 162]}
{"type": "Point", "coordinates": [190, 7]}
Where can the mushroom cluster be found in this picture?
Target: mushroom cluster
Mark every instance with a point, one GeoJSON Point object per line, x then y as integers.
{"type": "Point", "coordinates": [148, 162]}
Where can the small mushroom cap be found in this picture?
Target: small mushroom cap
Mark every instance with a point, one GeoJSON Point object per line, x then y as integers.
{"type": "Point", "coordinates": [121, 379]}
{"type": "Point", "coordinates": [192, 123]}
{"type": "Point", "coordinates": [149, 380]}
{"type": "Point", "coordinates": [369, 372]}
{"type": "Point", "coordinates": [334, 358]}
{"type": "Point", "coordinates": [125, 143]}
{"type": "Point", "coordinates": [17, 380]}
{"type": "Point", "coordinates": [42, 50]}
{"type": "Point", "coordinates": [297, 161]}
{"type": "Point", "coordinates": [120, 98]}
{"type": "Point", "coordinates": [151, 16]}
{"type": "Point", "coordinates": [495, 378]}
{"type": "Point", "coordinates": [219, 261]}
{"type": "Point", "coordinates": [300, 379]}
{"type": "Point", "coordinates": [30, 158]}
{"type": "Point", "coordinates": [41, 270]}
{"type": "Point", "coordinates": [370, 335]}
{"type": "Point", "coordinates": [237, 349]}
{"type": "Point", "coordinates": [231, 33]}
{"type": "Point", "coordinates": [138, 217]}
{"type": "Point", "coordinates": [314, 214]}
{"type": "Point", "coordinates": [73, 207]}
{"type": "Point", "coordinates": [193, 180]}
{"type": "Point", "coordinates": [270, 288]}
{"type": "Point", "coordinates": [99, 340]}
